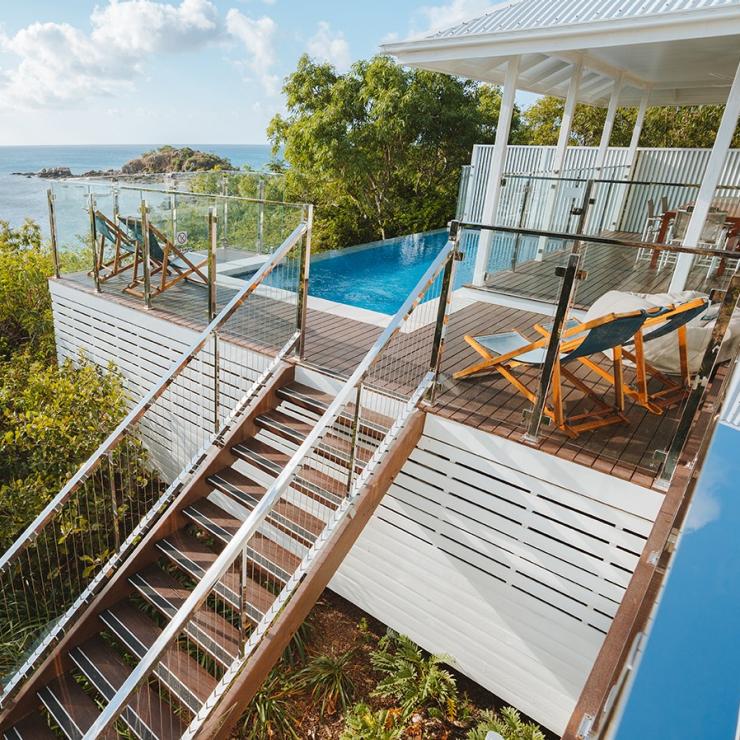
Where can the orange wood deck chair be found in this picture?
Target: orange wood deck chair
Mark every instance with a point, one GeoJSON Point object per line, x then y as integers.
{"type": "Point", "coordinates": [124, 255]}
{"type": "Point", "coordinates": [502, 353]}
{"type": "Point", "coordinates": [166, 260]}
{"type": "Point", "coordinates": [664, 321]}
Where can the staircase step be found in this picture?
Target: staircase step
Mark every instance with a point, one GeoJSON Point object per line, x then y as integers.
{"type": "Point", "coordinates": [177, 670]}
{"type": "Point", "coordinates": [214, 634]}
{"type": "Point", "coordinates": [194, 558]}
{"type": "Point", "coordinates": [71, 708]}
{"type": "Point", "coordinates": [285, 516]}
{"type": "Point", "coordinates": [372, 423]}
{"type": "Point", "coordinates": [33, 727]}
{"type": "Point", "coordinates": [266, 554]}
{"type": "Point", "coordinates": [148, 716]}
{"type": "Point", "coordinates": [319, 486]}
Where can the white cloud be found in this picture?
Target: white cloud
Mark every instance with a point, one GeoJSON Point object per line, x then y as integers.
{"type": "Point", "coordinates": [430, 18]}
{"type": "Point", "coordinates": [705, 508]}
{"type": "Point", "coordinates": [60, 65]}
{"type": "Point", "coordinates": [329, 46]}
{"type": "Point", "coordinates": [257, 35]}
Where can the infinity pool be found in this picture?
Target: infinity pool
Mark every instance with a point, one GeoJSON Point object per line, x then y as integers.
{"type": "Point", "coordinates": [378, 276]}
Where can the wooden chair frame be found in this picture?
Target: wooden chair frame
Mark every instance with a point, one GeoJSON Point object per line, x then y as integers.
{"type": "Point", "coordinates": [117, 264]}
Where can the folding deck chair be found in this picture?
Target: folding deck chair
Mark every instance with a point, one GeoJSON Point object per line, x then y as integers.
{"type": "Point", "coordinates": [502, 353]}
{"type": "Point", "coordinates": [124, 248]}
{"type": "Point", "coordinates": [171, 264]}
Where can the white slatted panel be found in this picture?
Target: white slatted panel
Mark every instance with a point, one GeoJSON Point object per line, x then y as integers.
{"type": "Point", "coordinates": [515, 575]}
{"type": "Point", "coordinates": [144, 348]}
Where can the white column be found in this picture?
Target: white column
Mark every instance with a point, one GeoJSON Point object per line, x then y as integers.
{"type": "Point", "coordinates": [606, 133]}
{"type": "Point", "coordinates": [493, 187]}
{"type": "Point", "coordinates": [709, 182]}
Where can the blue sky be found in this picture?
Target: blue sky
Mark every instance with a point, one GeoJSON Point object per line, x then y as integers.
{"type": "Point", "coordinates": [178, 71]}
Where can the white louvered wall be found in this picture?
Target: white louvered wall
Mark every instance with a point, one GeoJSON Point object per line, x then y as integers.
{"type": "Point", "coordinates": [515, 574]}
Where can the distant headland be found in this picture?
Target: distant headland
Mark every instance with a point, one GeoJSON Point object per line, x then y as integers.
{"type": "Point", "coordinates": [164, 159]}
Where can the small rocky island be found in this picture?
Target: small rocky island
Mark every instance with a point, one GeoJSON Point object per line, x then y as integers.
{"type": "Point", "coordinates": [164, 159]}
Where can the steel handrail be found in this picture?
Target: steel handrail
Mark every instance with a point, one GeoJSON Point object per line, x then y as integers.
{"type": "Point", "coordinates": [248, 528]}
{"type": "Point", "coordinates": [556, 178]}
{"type": "Point", "coordinates": [148, 400]}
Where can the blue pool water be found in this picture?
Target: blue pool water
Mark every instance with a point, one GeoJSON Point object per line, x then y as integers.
{"type": "Point", "coordinates": [381, 275]}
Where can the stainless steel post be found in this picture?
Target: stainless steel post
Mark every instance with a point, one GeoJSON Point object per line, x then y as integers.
{"type": "Point", "coordinates": [212, 245]}
{"type": "Point", "coordinates": [355, 435]}
{"type": "Point", "coordinates": [53, 231]}
{"type": "Point", "coordinates": [305, 264]}
{"type": "Point", "coordinates": [225, 228]}
{"type": "Point", "coordinates": [94, 242]}
{"type": "Point", "coordinates": [145, 256]}
{"type": "Point", "coordinates": [261, 215]}
{"type": "Point", "coordinates": [216, 382]}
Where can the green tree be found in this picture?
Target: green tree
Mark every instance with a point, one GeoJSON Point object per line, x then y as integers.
{"type": "Point", "coordinates": [379, 149]}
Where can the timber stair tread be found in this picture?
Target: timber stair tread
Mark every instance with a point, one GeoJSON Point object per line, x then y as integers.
{"type": "Point", "coordinates": [176, 670]}
{"type": "Point", "coordinates": [267, 554]}
{"type": "Point", "coordinates": [212, 632]}
{"type": "Point", "coordinates": [71, 708]}
{"type": "Point", "coordinates": [195, 557]}
{"type": "Point", "coordinates": [147, 716]}
{"type": "Point", "coordinates": [285, 515]}
{"type": "Point", "coordinates": [32, 727]}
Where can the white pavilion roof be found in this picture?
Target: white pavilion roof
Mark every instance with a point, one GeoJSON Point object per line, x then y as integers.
{"type": "Point", "coordinates": [684, 51]}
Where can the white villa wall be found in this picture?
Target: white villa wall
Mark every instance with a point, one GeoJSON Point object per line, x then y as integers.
{"type": "Point", "coordinates": [508, 560]}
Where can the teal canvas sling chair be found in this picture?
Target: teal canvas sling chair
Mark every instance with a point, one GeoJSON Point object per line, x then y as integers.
{"type": "Point", "coordinates": [124, 248]}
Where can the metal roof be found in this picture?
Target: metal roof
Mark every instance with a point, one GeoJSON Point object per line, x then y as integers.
{"type": "Point", "coordinates": [685, 52]}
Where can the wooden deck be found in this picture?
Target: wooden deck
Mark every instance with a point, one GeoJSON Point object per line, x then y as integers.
{"type": "Point", "coordinates": [336, 344]}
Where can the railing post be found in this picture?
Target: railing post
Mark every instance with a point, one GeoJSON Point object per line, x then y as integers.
{"type": "Point", "coordinates": [565, 301]}
{"type": "Point", "coordinates": [443, 310]}
{"type": "Point", "coordinates": [212, 245]}
{"type": "Point", "coordinates": [261, 215]}
{"type": "Point", "coordinates": [305, 265]}
{"type": "Point", "coordinates": [94, 241]}
{"type": "Point", "coordinates": [355, 434]}
{"type": "Point", "coordinates": [700, 381]}
{"type": "Point", "coordinates": [145, 257]}
{"type": "Point", "coordinates": [216, 382]}
{"type": "Point", "coordinates": [522, 214]}
{"type": "Point", "coordinates": [53, 231]}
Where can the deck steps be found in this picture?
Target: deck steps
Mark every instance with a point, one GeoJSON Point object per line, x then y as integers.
{"type": "Point", "coordinates": [210, 631]}
{"type": "Point", "coordinates": [146, 716]}
{"type": "Point", "coordinates": [182, 676]}
{"type": "Point", "coordinates": [71, 708]}
{"type": "Point", "coordinates": [33, 727]}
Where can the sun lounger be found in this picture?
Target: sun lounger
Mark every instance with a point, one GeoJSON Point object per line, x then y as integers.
{"type": "Point", "coordinates": [124, 248]}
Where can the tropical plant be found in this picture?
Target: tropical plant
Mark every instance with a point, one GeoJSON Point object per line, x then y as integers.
{"type": "Point", "coordinates": [362, 723]}
{"type": "Point", "coordinates": [269, 714]}
{"type": "Point", "coordinates": [507, 723]}
{"type": "Point", "coordinates": [410, 677]}
{"type": "Point", "coordinates": [296, 651]}
{"type": "Point", "coordinates": [328, 679]}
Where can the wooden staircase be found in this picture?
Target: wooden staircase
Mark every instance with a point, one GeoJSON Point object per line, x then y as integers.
{"type": "Point", "coordinates": [64, 696]}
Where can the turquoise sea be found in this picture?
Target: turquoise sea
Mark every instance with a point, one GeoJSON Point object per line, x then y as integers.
{"type": "Point", "coordinates": [25, 197]}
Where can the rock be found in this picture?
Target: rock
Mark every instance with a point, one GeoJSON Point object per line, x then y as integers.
{"type": "Point", "coordinates": [172, 159]}
{"type": "Point", "coordinates": [55, 172]}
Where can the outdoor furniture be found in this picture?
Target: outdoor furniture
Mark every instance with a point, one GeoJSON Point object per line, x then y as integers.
{"type": "Point", "coordinates": [124, 248]}
{"type": "Point", "coordinates": [502, 353]}
{"type": "Point", "coordinates": [166, 260]}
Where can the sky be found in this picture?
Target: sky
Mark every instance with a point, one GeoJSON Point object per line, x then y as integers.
{"type": "Point", "coordinates": [179, 71]}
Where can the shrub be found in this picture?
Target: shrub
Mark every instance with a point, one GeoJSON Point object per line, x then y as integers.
{"type": "Point", "coordinates": [508, 723]}
{"type": "Point", "coordinates": [327, 678]}
{"type": "Point", "coordinates": [269, 714]}
{"type": "Point", "coordinates": [410, 678]}
{"type": "Point", "coordinates": [362, 723]}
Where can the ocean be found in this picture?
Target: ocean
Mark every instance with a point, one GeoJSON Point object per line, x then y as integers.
{"type": "Point", "coordinates": [25, 197]}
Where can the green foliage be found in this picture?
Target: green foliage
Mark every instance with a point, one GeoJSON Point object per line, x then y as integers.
{"type": "Point", "coordinates": [296, 651]}
{"type": "Point", "coordinates": [328, 680]}
{"type": "Point", "coordinates": [362, 723]}
{"type": "Point", "coordinates": [269, 714]}
{"type": "Point", "coordinates": [507, 723]}
{"type": "Point", "coordinates": [378, 149]}
{"type": "Point", "coordinates": [410, 678]}
{"type": "Point", "coordinates": [689, 126]}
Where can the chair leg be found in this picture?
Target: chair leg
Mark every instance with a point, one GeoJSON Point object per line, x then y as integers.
{"type": "Point", "coordinates": [618, 379]}
{"type": "Point", "coordinates": [683, 356]}
{"type": "Point", "coordinates": [556, 389]}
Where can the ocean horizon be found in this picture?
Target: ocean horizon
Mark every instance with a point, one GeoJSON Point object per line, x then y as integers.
{"type": "Point", "coordinates": [25, 197]}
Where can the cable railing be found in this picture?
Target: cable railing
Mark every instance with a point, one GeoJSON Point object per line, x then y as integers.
{"type": "Point", "coordinates": [64, 557]}
{"type": "Point", "coordinates": [324, 477]}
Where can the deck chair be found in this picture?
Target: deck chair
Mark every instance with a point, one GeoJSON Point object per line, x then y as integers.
{"type": "Point", "coordinates": [124, 248]}
{"type": "Point", "coordinates": [659, 323]}
{"type": "Point", "coordinates": [166, 260]}
{"type": "Point", "coordinates": [502, 353]}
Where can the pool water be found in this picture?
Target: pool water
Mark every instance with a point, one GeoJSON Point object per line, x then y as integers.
{"type": "Point", "coordinates": [378, 276]}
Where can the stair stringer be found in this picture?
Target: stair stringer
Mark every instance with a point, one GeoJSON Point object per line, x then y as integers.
{"type": "Point", "coordinates": [58, 661]}
{"type": "Point", "coordinates": [224, 713]}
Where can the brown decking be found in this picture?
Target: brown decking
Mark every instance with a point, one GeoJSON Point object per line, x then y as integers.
{"type": "Point", "coordinates": [607, 267]}
{"type": "Point", "coordinates": [336, 344]}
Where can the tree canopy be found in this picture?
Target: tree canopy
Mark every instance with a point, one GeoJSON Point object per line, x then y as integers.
{"type": "Point", "coordinates": [379, 149]}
